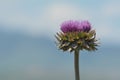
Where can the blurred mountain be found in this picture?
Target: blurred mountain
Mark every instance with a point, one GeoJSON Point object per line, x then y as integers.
{"type": "Point", "coordinates": [24, 57]}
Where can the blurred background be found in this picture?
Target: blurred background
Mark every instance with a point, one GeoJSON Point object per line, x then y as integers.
{"type": "Point", "coordinates": [27, 44]}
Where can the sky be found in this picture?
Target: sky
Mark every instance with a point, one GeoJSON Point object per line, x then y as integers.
{"type": "Point", "coordinates": [27, 43]}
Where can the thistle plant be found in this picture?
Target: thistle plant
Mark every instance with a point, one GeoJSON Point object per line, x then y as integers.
{"type": "Point", "coordinates": [76, 36]}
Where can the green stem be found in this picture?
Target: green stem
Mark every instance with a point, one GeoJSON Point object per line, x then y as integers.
{"type": "Point", "coordinates": [76, 64]}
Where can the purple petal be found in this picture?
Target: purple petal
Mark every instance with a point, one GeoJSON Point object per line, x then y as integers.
{"type": "Point", "coordinates": [75, 26]}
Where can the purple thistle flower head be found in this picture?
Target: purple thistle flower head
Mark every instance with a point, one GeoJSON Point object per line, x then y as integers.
{"type": "Point", "coordinates": [75, 26]}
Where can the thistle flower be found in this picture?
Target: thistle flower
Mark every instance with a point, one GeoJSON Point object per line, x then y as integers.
{"type": "Point", "coordinates": [76, 36]}
{"type": "Point", "coordinates": [75, 26]}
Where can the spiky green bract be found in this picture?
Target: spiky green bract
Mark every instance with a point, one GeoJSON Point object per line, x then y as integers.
{"type": "Point", "coordinates": [72, 41]}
